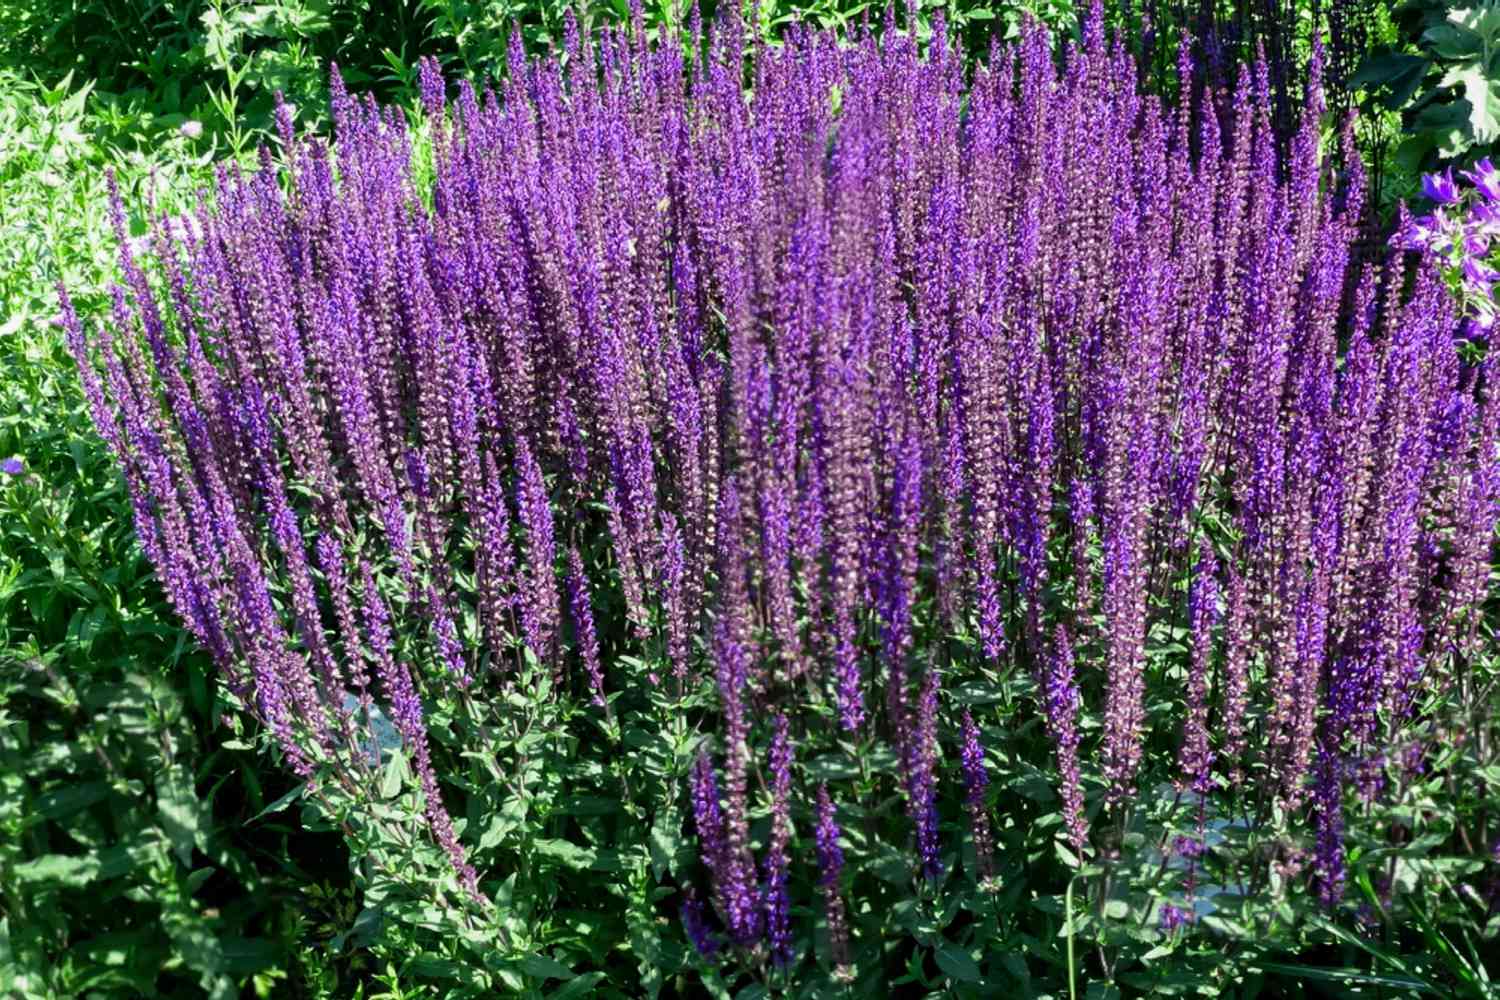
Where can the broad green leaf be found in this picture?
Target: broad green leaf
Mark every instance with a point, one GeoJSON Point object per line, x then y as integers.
{"type": "Point", "coordinates": [566, 852]}
{"type": "Point", "coordinates": [577, 987]}
{"type": "Point", "coordinates": [1482, 21]}
{"type": "Point", "coordinates": [68, 800]}
{"type": "Point", "coordinates": [957, 964]}
{"type": "Point", "coordinates": [394, 775]}
{"type": "Point", "coordinates": [666, 840]}
{"type": "Point", "coordinates": [71, 870]}
{"type": "Point", "coordinates": [543, 967]}
{"type": "Point", "coordinates": [1484, 106]}
{"type": "Point", "coordinates": [181, 812]}
{"type": "Point", "coordinates": [1450, 41]}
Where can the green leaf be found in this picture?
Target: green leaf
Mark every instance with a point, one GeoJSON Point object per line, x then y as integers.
{"type": "Point", "coordinates": [361, 932]}
{"type": "Point", "coordinates": [831, 767]}
{"type": "Point", "coordinates": [280, 803]}
{"type": "Point", "coordinates": [1484, 106]}
{"type": "Point", "coordinates": [71, 870]}
{"type": "Point", "coordinates": [181, 812]}
{"type": "Point", "coordinates": [1398, 74]}
{"type": "Point", "coordinates": [1483, 21]}
{"type": "Point", "coordinates": [394, 775]}
{"type": "Point", "coordinates": [543, 967]}
{"type": "Point", "coordinates": [1346, 977]}
{"type": "Point", "coordinates": [566, 852]}
{"type": "Point", "coordinates": [1447, 125]}
{"type": "Point", "coordinates": [666, 841]}
{"type": "Point", "coordinates": [1453, 42]}
{"type": "Point", "coordinates": [510, 816]}
{"type": "Point", "coordinates": [957, 964]}
{"type": "Point", "coordinates": [577, 987]}
{"type": "Point", "coordinates": [68, 800]}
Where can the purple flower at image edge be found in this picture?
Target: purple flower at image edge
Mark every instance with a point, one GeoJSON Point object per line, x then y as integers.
{"type": "Point", "coordinates": [1486, 178]}
{"type": "Point", "coordinates": [1441, 188]}
{"type": "Point", "coordinates": [1479, 274]}
{"type": "Point", "coordinates": [12, 466]}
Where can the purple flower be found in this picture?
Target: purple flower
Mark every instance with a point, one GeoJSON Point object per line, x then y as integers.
{"type": "Point", "coordinates": [1173, 918]}
{"type": "Point", "coordinates": [1486, 179]}
{"type": "Point", "coordinates": [699, 931]}
{"type": "Point", "coordinates": [976, 779]}
{"type": "Point", "coordinates": [1195, 757]}
{"type": "Point", "coordinates": [777, 865]}
{"type": "Point", "coordinates": [1441, 187]}
{"type": "Point", "coordinates": [1479, 274]}
{"type": "Point", "coordinates": [830, 867]}
{"type": "Point", "coordinates": [1188, 847]}
{"type": "Point", "coordinates": [708, 818]}
{"type": "Point", "coordinates": [1328, 821]}
{"type": "Point", "coordinates": [12, 466]}
{"type": "Point", "coordinates": [583, 624]}
{"type": "Point", "coordinates": [921, 776]}
{"type": "Point", "coordinates": [826, 839]}
{"type": "Point", "coordinates": [1061, 703]}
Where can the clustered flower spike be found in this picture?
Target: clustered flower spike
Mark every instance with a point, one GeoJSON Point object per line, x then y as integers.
{"type": "Point", "coordinates": [778, 862]}
{"type": "Point", "coordinates": [921, 776]}
{"type": "Point", "coordinates": [976, 780]}
{"type": "Point", "coordinates": [980, 350]}
{"type": "Point", "coordinates": [699, 930]}
{"type": "Point", "coordinates": [830, 869]}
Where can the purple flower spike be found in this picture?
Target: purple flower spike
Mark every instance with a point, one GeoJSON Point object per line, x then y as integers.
{"type": "Point", "coordinates": [1329, 870]}
{"type": "Point", "coordinates": [708, 817]}
{"type": "Point", "coordinates": [976, 779]}
{"type": "Point", "coordinates": [1441, 188]}
{"type": "Point", "coordinates": [699, 931]}
{"type": "Point", "coordinates": [830, 854]}
{"type": "Point", "coordinates": [1173, 918]}
{"type": "Point", "coordinates": [830, 867]}
{"type": "Point", "coordinates": [1061, 702]}
{"type": "Point", "coordinates": [921, 777]}
{"type": "Point", "coordinates": [778, 906]}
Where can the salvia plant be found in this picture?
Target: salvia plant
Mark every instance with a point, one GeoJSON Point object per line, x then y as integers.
{"type": "Point", "coordinates": [895, 438]}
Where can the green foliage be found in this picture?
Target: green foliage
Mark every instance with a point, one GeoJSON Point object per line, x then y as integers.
{"type": "Point", "coordinates": [116, 873]}
{"type": "Point", "coordinates": [1443, 77]}
{"type": "Point", "coordinates": [153, 65]}
{"type": "Point", "coordinates": [138, 853]}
